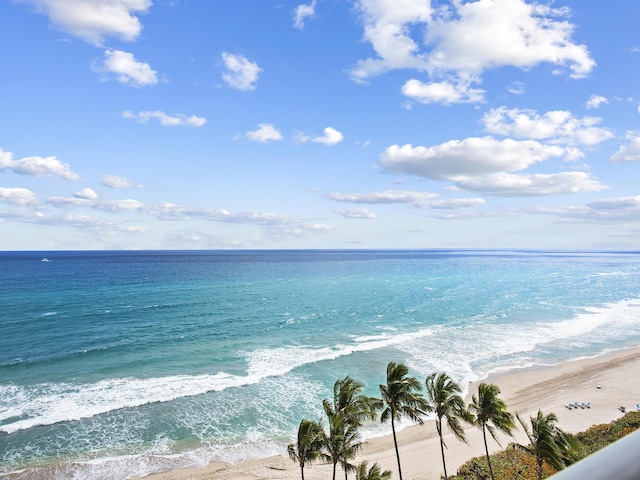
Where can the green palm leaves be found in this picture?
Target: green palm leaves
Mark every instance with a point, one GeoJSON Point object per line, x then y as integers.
{"type": "Point", "coordinates": [308, 446]}
{"type": "Point", "coordinates": [444, 396]}
{"type": "Point", "coordinates": [346, 414]}
{"type": "Point", "coordinates": [402, 398]}
{"type": "Point", "coordinates": [547, 442]}
{"type": "Point", "coordinates": [490, 415]}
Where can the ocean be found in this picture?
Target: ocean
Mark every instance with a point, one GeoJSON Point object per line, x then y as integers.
{"type": "Point", "coordinates": [117, 364]}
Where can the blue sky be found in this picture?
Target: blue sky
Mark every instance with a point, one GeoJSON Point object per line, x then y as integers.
{"type": "Point", "coordinates": [183, 124]}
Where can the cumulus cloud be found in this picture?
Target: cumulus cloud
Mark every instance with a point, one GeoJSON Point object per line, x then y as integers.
{"type": "Point", "coordinates": [484, 165]}
{"type": "Point", "coordinates": [37, 166]}
{"type": "Point", "coordinates": [95, 20]}
{"type": "Point", "coordinates": [361, 212]}
{"type": "Point", "coordinates": [302, 12]}
{"type": "Point", "coordinates": [495, 33]}
{"type": "Point", "coordinates": [18, 196]}
{"type": "Point", "coordinates": [330, 137]}
{"type": "Point", "coordinates": [386, 27]}
{"type": "Point", "coordinates": [126, 69]}
{"type": "Point", "coordinates": [115, 181]}
{"type": "Point", "coordinates": [265, 133]}
{"type": "Point", "coordinates": [509, 185]}
{"type": "Point", "coordinates": [629, 152]}
{"type": "Point", "coordinates": [165, 120]}
{"type": "Point", "coordinates": [442, 92]}
{"type": "Point", "coordinates": [240, 73]}
{"type": "Point", "coordinates": [464, 40]}
{"type": "Point", "coordinates": [595, 101]}
{"type": "Point", "coordinates": [469, 157]}
{"type": "Point", "coordinates": [86, 193]}
{"type": "Point", "coordinates": [557, 126]}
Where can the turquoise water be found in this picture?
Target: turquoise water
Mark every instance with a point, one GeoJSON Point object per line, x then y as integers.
{"type": "Point", "coordinates": [119, 364]}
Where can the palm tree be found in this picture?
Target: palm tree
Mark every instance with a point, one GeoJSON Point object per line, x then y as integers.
{"type": "Point", "coordinates": [374, 473]}
{"type": "Point", "coordinates": [353, 408]}
{"type": "Point", "coordinates": [349, 401]}
{"type": "Point", "coordinates": [443, 396]}
{"type": "Point", "coordinates": [402, 398]}
{"type": "Point", "coordinates": [490, 414]}
{"type": "Point", "coordinates": [308, 446]}
{"type": "Point", "coordinates": [547, 442]}
{"type": "Point", "coordinates": [342, 443]}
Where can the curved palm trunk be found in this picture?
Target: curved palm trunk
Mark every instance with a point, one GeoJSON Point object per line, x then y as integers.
{"type": "Point", "coordinates": [486, 449]}
{"type": "Point", "coordinates": [444, 464]}
{"type": "Point", "coordinates": [334, 470]}
{"type": "Point", "coordinates": [302, 471]}
{"type": "Point", "coordinates": [395, 443]}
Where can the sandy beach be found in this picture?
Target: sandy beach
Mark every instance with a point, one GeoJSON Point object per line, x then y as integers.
{"type": "Point", "coordinates": [606, 382]}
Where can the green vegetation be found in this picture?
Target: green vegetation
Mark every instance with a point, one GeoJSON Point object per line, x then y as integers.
{"type": "Point", "coordinates": [490, 414]}
{"type": "Point", "coordinates": [337, 440]}
{"type": "Point", "coordinates": [517, 464]}
{"type": "Point", "coordinates": [547, 442]}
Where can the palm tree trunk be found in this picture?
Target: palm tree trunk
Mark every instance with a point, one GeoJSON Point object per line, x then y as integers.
{"type": "Point", "coordinates": [334, 470]}
{"type": "Point", "coordinates": [302, 471]}
{"type": "Point", "coordinates": [444, 465]}
{"type": "Point", "coordinates": [540, 461]}
{"type": "Point", "coordinates": [395, 442]}
{"type": "Point", "coordinates": [486, 449]}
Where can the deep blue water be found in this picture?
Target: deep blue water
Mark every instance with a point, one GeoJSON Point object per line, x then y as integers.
{"type": "Point", "coordinates": [118, 364]}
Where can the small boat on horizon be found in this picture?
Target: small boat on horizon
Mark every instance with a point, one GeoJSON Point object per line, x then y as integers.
{"type": "Point", "coordinates": [45, 259]}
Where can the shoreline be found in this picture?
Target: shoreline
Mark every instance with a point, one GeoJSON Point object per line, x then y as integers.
{"type": "Point", "coordinates": [525, 390]}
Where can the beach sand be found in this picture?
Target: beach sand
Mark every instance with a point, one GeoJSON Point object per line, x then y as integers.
{"type": "Point", "coordinates": [525, 391]}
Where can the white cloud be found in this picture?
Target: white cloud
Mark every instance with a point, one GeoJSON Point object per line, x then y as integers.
{"type": "Point", "coordinates": [442, 92]}
{"type": "Point", "coordinates": [516, 88]}
{"type": "Point", "coordinates": [469, 157]}
{"type": "Point", "coordinates": [595, 101]}
{"type": "Point", "coordinates": [302, 12]}
{"type": "Point", "coordinates": [386, 26]}
{"type": "Point", "coordinates": [509, 185]}
{"type": "Point", "coordinates": [126, 69]}
{"type": "Point", "coordinates": [463, 41]}
{"type": "Point", "coordinates": [37, 166]}
{"type": "Point", "coordinates": [629, 152]}
{"type": "Point", "coordinates": [359, 213]}
{"type": "Point", "coordinates": [240, 73]}
{"type": "Point", "coordinates": [331, 137]}
{"type": "Point", "coordinates": [166, 120]}
{"type": "Point", "coordinates": [95, 20]}
{"type": "Point", "coordinates": [266, 132]}
{"type": "Point", "coordinates": [87, 194]}
{"type": "Point", "coordinates": [558, 126]}
{"type": "Point", "coordinates": [483, 165]}
{"type": "Point", "coordinates": [417, 199]}
{"type": "Point", "coordinates": [495, 33]}
{"type": "Point", "coordinates": [387, 196]}
{"type": "Point", "coordinates": [115, 181]}
{"type": "Point", "coordinates": [18, 196]}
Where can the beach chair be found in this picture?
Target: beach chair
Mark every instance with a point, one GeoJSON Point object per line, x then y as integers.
{"type": "Point", "coordinates": [569, 406]}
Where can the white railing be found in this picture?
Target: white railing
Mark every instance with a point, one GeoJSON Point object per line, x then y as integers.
{"type": "Point", "coordinates": [618, 461]}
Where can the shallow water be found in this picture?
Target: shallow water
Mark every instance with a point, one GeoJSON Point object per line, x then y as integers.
{"type": "Point", "coordinates": [118, 364]}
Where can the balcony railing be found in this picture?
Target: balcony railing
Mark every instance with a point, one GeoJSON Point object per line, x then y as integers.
{"type": "Point", "coordinates": [618, 461]}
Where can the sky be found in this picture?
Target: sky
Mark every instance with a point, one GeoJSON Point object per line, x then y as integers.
{"type": "Point", "coordinates": [324, 124]}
